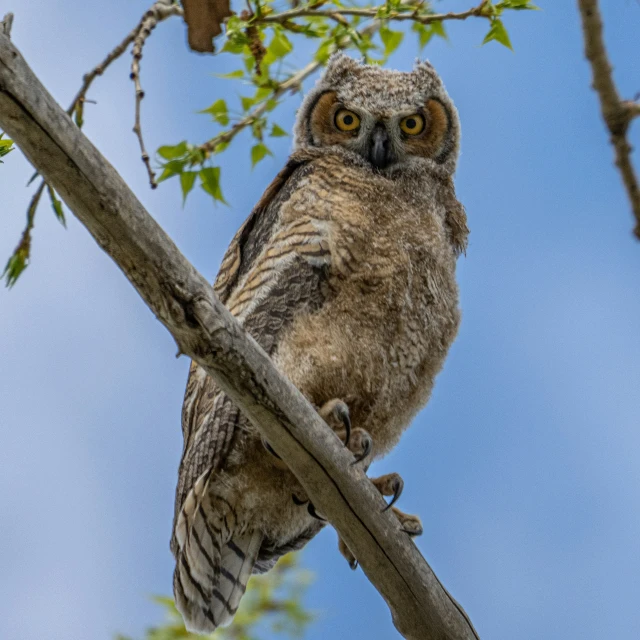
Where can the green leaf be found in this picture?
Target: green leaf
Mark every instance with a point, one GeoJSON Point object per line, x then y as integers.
{"type": "Point", "coordinates": [390, 39]}
{"type": "Point", "coordinates": [16, 264]}
{"type": "Point", "coordinates": [6, 146]}
{"type": "Point", "coordinates": [258, 152]}
{"type": "Point", "coordinates": [187, 180]}
{"type": "Point", "coordinates": [247, 102]}
{"type": "Point", "coordinates": [210, 178]}
{"type": "Point", "coordinates": [517, 5]}
{"type": "Point", "coordinates": [438, 29]}
{"type": "Point", "coordinates": [498, 33]}
{"type": "Point", "coordinates": [231, 75]}
{"type": "Point", "coordinates": [172, 168]}
{"type": "Point", "coordinates": [169, 152]}
{"type": "Point", "coordinates": [280, 45]}
{"type": "Point", "coordinates": [78, 114]}
{"type": "Point", "coordinates": [277, 131]}
{"type": "Point", "coordinates": [57, 206]}
{"type": "Point", "coordinates": [218, 111]}
{"type": "Point", "coordinates": [262, 93]}
{"type": "Point", "coordinates": [324, 50]}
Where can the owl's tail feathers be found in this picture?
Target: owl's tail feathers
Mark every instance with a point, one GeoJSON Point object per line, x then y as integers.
{"type": "Point", "coordinates": [213, 564]}
{"type": "Point", "coordinates": [238, 558]}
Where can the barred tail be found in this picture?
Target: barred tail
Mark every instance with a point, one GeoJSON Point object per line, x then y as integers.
{"type": "Point", "coordinates": [213, 564]}
{"type": "Point", "coordinates": [237, 559]}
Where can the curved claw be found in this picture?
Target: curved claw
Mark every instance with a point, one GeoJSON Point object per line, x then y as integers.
{"type": "Point", "coordinates": [343, 414]}
{"type": "Point", "coordinates": [368, 445]}
{"type": "Point", "coordinates": [297, 500]}
{"type": "Point", "coordinates": [413, 532]}
{"type": "Point", "coordinates": [398, 486]}
{"type": "Point", "coordinates": [270, 449]}
{"type": "Point", "coordinates": [312, 512]}
{"type": "Point", "coordinates": [353, 564]}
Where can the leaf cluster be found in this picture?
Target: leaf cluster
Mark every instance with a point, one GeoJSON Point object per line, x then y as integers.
{"type": "Point", "coordinates": [266, 41]}
{"type": "Point", "coordinates": [272, 602]}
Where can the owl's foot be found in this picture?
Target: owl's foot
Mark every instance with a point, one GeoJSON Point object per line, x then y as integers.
{"type": "Point", "coordinates": [336, 414]}
{"type": "Point", "coordinates": [411, 525]}
{"type": "Point", "coordinates": [390, 484]}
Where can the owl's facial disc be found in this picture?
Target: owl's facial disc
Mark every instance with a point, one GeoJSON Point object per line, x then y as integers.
{"type": "Point", "coordinates": [386, 138]}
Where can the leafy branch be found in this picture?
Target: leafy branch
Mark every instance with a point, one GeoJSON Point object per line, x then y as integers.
{"type": "Point", "coordinates": [335, 27]}
{"type": "Point", "coordinates": [274, 599]}
{"type": "Point", "coordinates": [19, 260]}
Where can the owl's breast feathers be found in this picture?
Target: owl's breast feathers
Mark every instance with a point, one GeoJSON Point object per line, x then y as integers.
{"type": "Point", "coordinates": [339, 275]}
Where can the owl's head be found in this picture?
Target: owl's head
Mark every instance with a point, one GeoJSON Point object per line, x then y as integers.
{"type": "Point", "coordinates": [391, 119]}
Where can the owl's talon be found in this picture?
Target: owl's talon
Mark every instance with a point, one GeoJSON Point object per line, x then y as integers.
{"type": "Point", "coordinates": [390, 484]}
{"type": "Point", "coordinates": [347, 555]}
{"type": "Point", "coordinates": [313, 513]}
{"type": "Point", "coordinates": [298, 501]}
{"type": "Point", "coordinates": [367, 446]}
{"type": "Point", "coordinates": [336, 414]}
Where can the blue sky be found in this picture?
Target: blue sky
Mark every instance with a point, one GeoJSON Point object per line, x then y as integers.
{"type": "Point", "coordinates": [523, 466]}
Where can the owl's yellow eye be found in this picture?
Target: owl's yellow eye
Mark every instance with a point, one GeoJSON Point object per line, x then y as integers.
{"type": "Point", "coordinates": [347, 120]}
{"type": "Point", "coordinates": [412, 125]}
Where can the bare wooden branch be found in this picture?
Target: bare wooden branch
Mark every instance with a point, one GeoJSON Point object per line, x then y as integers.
{"type": "Point", "coordinates": [204, 329]}
{"type": "Point", "coordinates": [617, 113]}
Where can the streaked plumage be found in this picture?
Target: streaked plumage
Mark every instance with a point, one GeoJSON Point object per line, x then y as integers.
{"type": "Point", "coordinates": [345, 274]}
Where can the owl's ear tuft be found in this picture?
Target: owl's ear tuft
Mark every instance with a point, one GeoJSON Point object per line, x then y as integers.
{"type": "Point", "coordinates": [339, 66]}
{"type": "Point", "coordinates": [424, 71]}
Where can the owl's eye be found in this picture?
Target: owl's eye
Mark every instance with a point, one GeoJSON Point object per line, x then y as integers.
{"type": "Point", "coordinates": [412, 125]}
{"type": "Point", "coordinates": [347, 120]}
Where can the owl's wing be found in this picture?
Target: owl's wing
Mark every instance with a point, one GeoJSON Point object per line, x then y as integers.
{"type": "Point", "coordinates": [201, 391]}
{"type": "Point", "coordinates": [269, 275]}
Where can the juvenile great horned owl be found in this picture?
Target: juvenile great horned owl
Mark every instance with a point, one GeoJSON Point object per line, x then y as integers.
{"type": "Point", "coordinates": [345, 274]}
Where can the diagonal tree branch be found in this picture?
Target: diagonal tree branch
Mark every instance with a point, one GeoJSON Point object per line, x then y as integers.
{"type": "Point", "coordinates": [617, 113]}
{"type": "Point", "coordinates": [204, 329]}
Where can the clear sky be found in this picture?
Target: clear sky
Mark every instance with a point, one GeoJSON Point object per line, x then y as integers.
{"type": "Point", "coordinates": [523, 467]}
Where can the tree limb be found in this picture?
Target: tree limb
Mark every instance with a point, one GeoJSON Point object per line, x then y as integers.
{"type": "Point", "coordinates": [205, 330]}
{"type": "Point", "coordinates": [617, 113]}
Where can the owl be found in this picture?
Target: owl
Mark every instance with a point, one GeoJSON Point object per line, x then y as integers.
{"type": "Point", "coordinates": [344, 273]}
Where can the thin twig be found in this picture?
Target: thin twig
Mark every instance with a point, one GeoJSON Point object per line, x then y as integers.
{"type": "Point", "coordinates": [617, 113]}
{"type": "Point", "coordinates": [339, 14]}
{"type": "Point", "coordinates": [291, 84]}
{"type": "Point", "coordinates": [6, 24]}
{"type": "Point", "coordinates": [161, 10]}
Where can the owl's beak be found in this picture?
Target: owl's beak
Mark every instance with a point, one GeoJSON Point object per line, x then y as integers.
{"type": "Point", "coordinates": [380, 154]}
